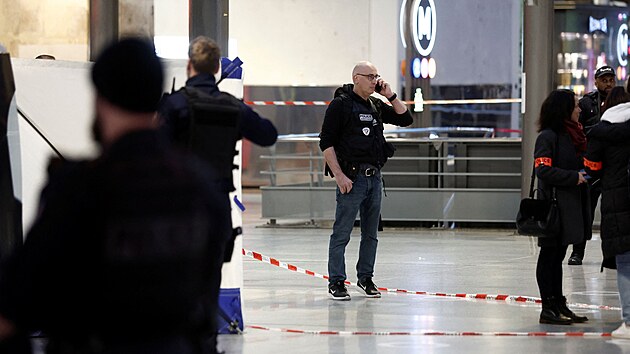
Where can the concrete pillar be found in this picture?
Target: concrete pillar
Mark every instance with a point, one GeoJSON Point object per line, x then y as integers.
{"type": "Point", "coordinates": [210, 18]}
{"type": "Point", "coordinates": [422, 119]}
{"type": "Point", "coordinates": [136, 18]}
{"type": "Point", "coordinates": [103, 25]}
{"type": "Point", "coordinates": [113, 19]}
{"type": "Point", "coordinates": [538, 60]}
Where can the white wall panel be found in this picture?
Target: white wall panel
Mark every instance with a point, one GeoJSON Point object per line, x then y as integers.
{"type": "Point", "coordinates": [306, 42]}
{"type": "Point", "coordinates": [57, 97]}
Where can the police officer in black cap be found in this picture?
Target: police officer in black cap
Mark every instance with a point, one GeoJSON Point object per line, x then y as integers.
{"type": "Point", "coordinates": [591, 112]}
{"type": "Point", "coordinates": [124, 246]}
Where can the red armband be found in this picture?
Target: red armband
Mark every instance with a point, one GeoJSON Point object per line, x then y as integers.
{"type": "Point", "coordinates": [542, 161]}
{"type": "Point", "coordinates": [593, 166]}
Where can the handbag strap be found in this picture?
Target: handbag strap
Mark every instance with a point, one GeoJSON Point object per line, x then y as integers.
{"type": "Point", "coordinates": [533, 178]}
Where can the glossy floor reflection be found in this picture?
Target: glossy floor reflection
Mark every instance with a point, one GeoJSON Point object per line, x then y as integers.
{"type": "Point", "coordinates": [468, 261]}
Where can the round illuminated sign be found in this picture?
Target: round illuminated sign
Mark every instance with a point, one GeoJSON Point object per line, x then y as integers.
{"type": "Point", "coordinates": [415, 68]}
{"type": "Point", "coordinates": [424, 68]}
{"type": "Point", "coordinates": [423, 26]}
{"type": "Point", "coordinates": [432, 68]}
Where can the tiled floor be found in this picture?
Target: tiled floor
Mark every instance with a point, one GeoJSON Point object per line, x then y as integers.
{"type": "Point", "coordinates": [436, 261]}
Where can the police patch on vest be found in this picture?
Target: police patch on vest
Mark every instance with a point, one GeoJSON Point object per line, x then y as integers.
{"type": "Point", "coordinates": [365, 117]}
{"type": "Point", "coordinates": [366, 131]}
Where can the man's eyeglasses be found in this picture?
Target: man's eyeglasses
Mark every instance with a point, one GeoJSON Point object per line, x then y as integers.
{"type": "Point", "coordinates": [371, 77]}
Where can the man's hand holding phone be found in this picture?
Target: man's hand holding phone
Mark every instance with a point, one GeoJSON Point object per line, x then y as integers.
{"type": "Point", "coordinates": [383, 88]}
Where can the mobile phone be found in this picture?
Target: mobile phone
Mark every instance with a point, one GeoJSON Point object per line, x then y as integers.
{"type": "Point", "coordinates": [378, 87]}
{"type": "Point", "coordinates": [586, 177]}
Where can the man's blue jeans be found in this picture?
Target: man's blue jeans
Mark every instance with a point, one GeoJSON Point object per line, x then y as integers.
{"type": "Point", "coordinates": [623, 283]}
{"type": "Point", "coordinates": [365, 197]}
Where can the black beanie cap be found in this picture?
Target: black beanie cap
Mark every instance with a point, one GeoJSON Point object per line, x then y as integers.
{"type": "Point", "coordinates": [129, 74]}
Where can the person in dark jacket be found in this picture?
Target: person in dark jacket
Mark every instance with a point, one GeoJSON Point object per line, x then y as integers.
{"type": "Point", "coordinates": [592, 102]}
{"type": "Point", "coordinates": [355, 150]}
{"type": "Point", "coordinates": [591, 106]}
{"type": "Point", "coordinates": [607, 158]}
{"type": "Point", "coordinates": [204, 62]}
{"type": "Point", "coordinates": [124, 247]}
{"type": "Point", "coordinates": [558, 155]}
{"type": "Point", "coordinates": [175, 118]}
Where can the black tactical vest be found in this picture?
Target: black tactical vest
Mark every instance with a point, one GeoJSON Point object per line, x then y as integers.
{"type": "Point", "coordinates": [363, 133]}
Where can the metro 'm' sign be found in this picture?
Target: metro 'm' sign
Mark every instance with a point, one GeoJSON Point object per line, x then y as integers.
{"type": "Point", "coordinates": [422, 22]}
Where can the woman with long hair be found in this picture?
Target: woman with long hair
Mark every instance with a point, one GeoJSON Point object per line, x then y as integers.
{"type": "Point", "coordinates": [558, 158]}
{"type": "Point", "coordinates": [607, 156]}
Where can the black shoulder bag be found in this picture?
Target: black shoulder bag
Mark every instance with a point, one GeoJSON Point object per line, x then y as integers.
{"type": "Point", "coordinates": [539, 217]}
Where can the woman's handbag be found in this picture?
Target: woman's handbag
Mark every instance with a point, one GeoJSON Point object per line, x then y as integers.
{"type": "Point", "coordinates": [538, 217]}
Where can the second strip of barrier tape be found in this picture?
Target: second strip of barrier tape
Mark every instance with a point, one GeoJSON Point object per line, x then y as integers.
{"type": "Point", "coordinates": [491, 297]}
{"type": "Point", "coordinates": [436, 333]}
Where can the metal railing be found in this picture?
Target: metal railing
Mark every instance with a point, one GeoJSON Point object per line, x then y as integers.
{"type": "Point", "coordinates": [426, 180]}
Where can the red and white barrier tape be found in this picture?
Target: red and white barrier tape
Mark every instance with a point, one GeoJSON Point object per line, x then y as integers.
{"type": "Point", "coordinates": [261, 257]}
{"type": "Point", "coordinates": [494, 297]}
{"type": "Point", "coordinates": [426, 102]}
{"type": "Point", "coordinates": [437, 333]}
{"type": "Point", "coordinates": [287, 103]}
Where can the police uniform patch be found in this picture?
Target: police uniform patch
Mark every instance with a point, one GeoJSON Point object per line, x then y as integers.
{"type": "Point", "coordinates": [366, 131]}
{"type": "Point", "coordinates": [365, 117]}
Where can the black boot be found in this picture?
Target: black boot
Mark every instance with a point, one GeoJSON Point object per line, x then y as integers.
{"type": "Point", "coordinates": [564, 310]}
{"type": "Point", "coordinates": [551, 314]}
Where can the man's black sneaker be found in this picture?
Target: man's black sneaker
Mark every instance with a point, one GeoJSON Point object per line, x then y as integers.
{"type": "Point", "coordinates": [368, 287]}
{"type": "Point", "coordinates": [338, 291]}
{"type": "Point", "coordinates": [575, 259]}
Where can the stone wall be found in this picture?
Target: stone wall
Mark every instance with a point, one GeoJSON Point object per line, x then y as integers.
{"type": "Point", "coordinates": [60, 28]}
{"type": "Point", "coordinates": [57, 27]}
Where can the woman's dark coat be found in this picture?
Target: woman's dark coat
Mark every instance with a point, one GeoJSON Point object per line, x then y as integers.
{"type": "Point", "coordinates": [557, 164]}
{"type": "Point", "coordinates": [607, 157]}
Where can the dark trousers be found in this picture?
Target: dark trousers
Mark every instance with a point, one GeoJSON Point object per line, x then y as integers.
{"type": "Point", "coordinates": [549, 270]}
{"type": "Point", "coordinates": [19, 344]}
{"type": "Point", "coordinates": [596, 191]}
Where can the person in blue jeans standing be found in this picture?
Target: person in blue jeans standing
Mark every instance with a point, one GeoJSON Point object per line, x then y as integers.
{"type": "Point", "coordinates": [355, 150]}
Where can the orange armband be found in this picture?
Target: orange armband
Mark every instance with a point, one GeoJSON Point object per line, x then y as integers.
{"type": "Point", "coordinates": [542, 161]}
{"type": "Point", "coordinates": [593, 166]}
